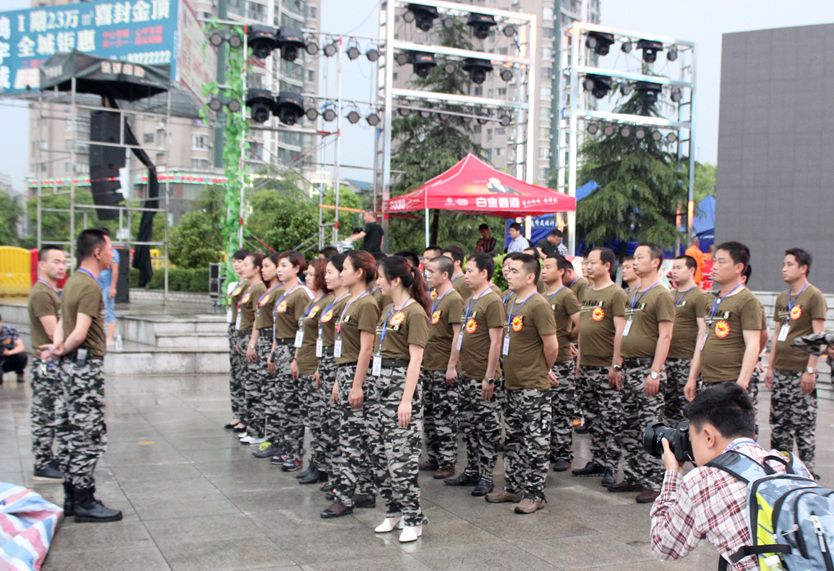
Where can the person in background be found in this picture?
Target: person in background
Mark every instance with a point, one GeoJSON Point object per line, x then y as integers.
{"type": "Point", "coordinates": [328, 252]}
{"type": "Point", "coordinates": [552, 245]}
{"type": "Point", "coordinates": [455, 253]}
{"type": "Point", "coordinates": [630, 277]}
{"type": "Point", "coordinates": [371, 236]}
{"type": "Point", "coordinates": [411, 257]}
{"type": "Point", "coordinates": [694, 251]}
{"type": "Point", "coordinates": [108, 292]}
{"type": "Point", "coordinates": [486, 244]}
{"type": "Point", "coordinates": [12, 352]}
{"type": "Point", "coordinates": [517, 242]}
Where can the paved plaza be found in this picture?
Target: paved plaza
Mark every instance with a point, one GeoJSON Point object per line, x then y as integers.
{"type": "Point", "coordinates": [195, 499]}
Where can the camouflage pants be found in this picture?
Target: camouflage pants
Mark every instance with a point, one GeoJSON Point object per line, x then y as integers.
{"type": "Point", "coordinates": [353, 464]}
{"type": "Point", "coordinates": [312, 403]}
{"type": "Point", "coordinates": [324, 420]}
{"type": "Point", "coordinates": [677, 373]}
{"type": "Point", "coordinates": [276, 421]}
{"type": "Point", "coordinates": [793, 416]}
{"type": "Point", "coordinates": [602, 407]}
{"type": "Point", "coordinates": [79, 421]}
{"type": "Point", "coordinates": [237, 372]}
{"type": "Point", "coordinates": [526, 449]}
{"type": "Point", "coordinates": [440, 418]}
{"type": "Point", "coordinates": [562, 412]}
{"type": "Point", "coordinates": [291, 397]}
{"type": "Point", "coordinates": [256, 382]}
{"type": "Point", "coordinates": [640, 410]}
{"type": "Point", "coordinates": [46, 393]}
{"type": "Point", "coordinates": [480, 422]}
{"type": "Point", "coordinates": [395, 451]}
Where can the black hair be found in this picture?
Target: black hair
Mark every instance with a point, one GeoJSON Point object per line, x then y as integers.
{"type": "Point", "coordinates": [362, 260]}
{"type": "Point", "coordinates": [433, 247]}
{"type": "Point", "coordinates": [628, 259]}
{"type": "Point", "coordinates": [328, 252]}
{"type": "Point", "coordinates": [240, 254]}
{"type": "Point", "coordinates": [483, 227]}
{"type": "Point", "coordinates": [445, 265]}
{"type": "Point", "coordinates": [338, 262]}
{"type": "Point", "coordinates": [484, 262]}
{"type": "Point", "coordinates": [515, 226]}
{"type": "Point", "coordinates": [562, 262]}
{"type": "Point", "coordinates": [748, 271]}
{"type": "Point", "coordinates": [530, 264]}
{"type": "Point", "coordinates": [257, 260]}
{"type": "Point", "coordinates": [726, 406]}
{"type": "Point", "coordinates": [295, 258]}
{"type": "Point", "coordinates": [738, 252]}
{"type": "Point", "coordinates": [410, 257]}
{"type": "Point", "coordinates": [512, 256]}
{"type": "Point", "coordinates": [89, 240]}
{"type": "Point", "coordinates": [689, 260]}
{"type": "Point", "coordinates": [394, 267]}
{"type": "Point", "coordinates": [655, 252]}
{"type": "Point", "coordinates": [803, 258]}
{"type": "Point", "coordinates": [557, 232]}
{"type": "Point", "coordinates": [531, 251]}
{"type": "Point", "coordinates": [43, 253]}
{"type": "Point", "coordinates": [606, 256]}
{"type": "Point", "coordinates": [379, 256]}
{"type": "Point", "coordinates": [455, 252]}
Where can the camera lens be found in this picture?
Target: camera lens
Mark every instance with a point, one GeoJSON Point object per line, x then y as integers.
{"type": "Point", "coordinates": [678, 438]}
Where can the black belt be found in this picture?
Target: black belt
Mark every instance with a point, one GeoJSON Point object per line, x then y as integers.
{"type": "Point", "coordinates": [285, 341]}
{"type": "Point", "coordinates": [264, 330]}
{"type": "Point", "coordinates": [74, 354]}
{"type": "Point", "coordinates": [348, 364]}
{"type": "Point", "coordinates": [327, 351]}
{"type": "Point", "coordinates": [393, 363]}
{"type": "Point", "coordinates": [637, 362]}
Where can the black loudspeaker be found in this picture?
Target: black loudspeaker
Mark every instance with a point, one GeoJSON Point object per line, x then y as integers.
{"type": "Point", "coordinates": [123, 279]}
{"type": "Point", "coordinates": [105, 162]}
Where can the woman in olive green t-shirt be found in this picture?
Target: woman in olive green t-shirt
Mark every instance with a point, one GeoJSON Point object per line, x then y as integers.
{"type": "Point", "coordinates": [252, 410]}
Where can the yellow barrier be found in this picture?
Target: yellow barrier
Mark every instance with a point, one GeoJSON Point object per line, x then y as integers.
{"type": "Point", "coordinates": [158, 260]}
{"type": "Point", "coordinates": [15, 275]}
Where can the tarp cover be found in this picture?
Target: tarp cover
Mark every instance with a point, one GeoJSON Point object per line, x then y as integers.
{"type": "Point", "coordinates": [475, 187]}
{"type": "Point", "coordinates": [27, 525]}
{"type": "Point", "coordinates": [102, 76]}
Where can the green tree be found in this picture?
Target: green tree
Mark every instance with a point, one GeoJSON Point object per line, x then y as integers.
{"type": "Point", "coordinates": [704, 181]}
{"type": "Point", "coordinates": [10, 213]}
{"type": "Point", "coordinates": [197, 241]}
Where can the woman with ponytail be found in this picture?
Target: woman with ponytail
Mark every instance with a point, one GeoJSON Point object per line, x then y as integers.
{"type": "Point", "coordinates": [246, 310]}
{"type": "Point", "coordinates": [395, 407]}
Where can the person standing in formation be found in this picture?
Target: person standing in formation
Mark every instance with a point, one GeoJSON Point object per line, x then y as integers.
{"type": "Point", "coordinates": [576, 283]}
{"type": "Point", "coordinates": [630, 277]}
{"type": "Point", "coordinates": [253, 408]}
{"type": "Point", "coordinates": [44, 308]}
{"type": "Point", "coordinates": [439, 395]}
{"type": "Point", "coordinates": [455, 253]}
{"type": "Point", "coordinates": [237, 358]}
{"type": "Point", "coordinates": [792, 373]}
{"type": "Point", "coordinates": [480, 389]}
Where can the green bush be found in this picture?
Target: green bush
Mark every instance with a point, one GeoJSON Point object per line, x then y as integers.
{"type": "Point", "coordinates": [498, 277]}
{"type": "Point", "coordinates": [134, 278]}
{"type": "Point", "coordinates": [196, 280]}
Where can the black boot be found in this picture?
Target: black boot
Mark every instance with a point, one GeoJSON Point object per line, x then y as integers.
{"type": "Point", "coordinates": [69, 500]}
{"type": "Point", "coordinates": [89, 509]}
{"type": "Point", "coordinates": [314, 476]}
{"type": "Point", "coordinates": [305, 473]}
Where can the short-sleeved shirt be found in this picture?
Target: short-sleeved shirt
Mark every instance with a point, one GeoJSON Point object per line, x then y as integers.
{"type": "Point", "coordinates": [372, 242]}
{"type": "Point", "coordinates": [381, 300]}
{"type": "Point", "coordinates": [329, 317]}
{"type": "Point", "coordinates": [306, 354]}
{"type": "Point", "coordinates": [646, 309]}
{"type": "Point", "coordinates": [82, 294]}
{"type": "Point", "coordinates": [459, 283]}
{"type": "Point", "coordinates": [9, 336]}
{"type": "Point", "coordinates": [564, 304]}
{"type": "Point", "coordinates": [477, 318]}
{"type": "Point", "coordinates": [688, 308]}
{"type": "Point", "coordinates": [578, 288]}
{"type": "Point", "coordinates": [597, 330]}
{"type": "Point", "coordinates": [43, 302]}
{"type": "Point", "coordinates": [445, 312]}
{"type": "Point", "coordinates": [361, 315]}
{"type": "Point", "coordinates": [409, 326]}
{"type": "Point", "coordinates": [105, 277]}
{"type": "Point", "coordinates": [797, 313]}
{"type": "Point", "coordinates": [551, 250]}
{"type": "Point", "coordinates": [265, 306]}
{"type": "Point", "coordinates": [234, 298]}
{"type": "Point", "coordinates": [525, 366]}
{"type": "Point", "coordinates": [518, 244]}
{"type": "Point", "coordinates": [723, 351]}
{"type": "Point", "coordinates": [494, 288]}
{"type": "Point", "coordinates": [249, 305]}
{"type": "Point", "coordinates": [289, 309]}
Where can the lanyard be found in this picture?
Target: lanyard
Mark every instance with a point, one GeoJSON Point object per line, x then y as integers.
{"type": "Point", "coordinates": [635, 300]}
{"type": "Point", "coordinates": [574, 281]}
{"type": "Point", "coordinates": [283, 297]}
{"type": "Point", "coordinates": [347, 306]}
{"type": "Point", "coordinates": [266, 293]}
{"type": "Point", "coordinates": [716, 303]}
{"type": "Point", "coordinates": [438, 300]}
{"type": "Point", "coordinates": [554, 293]}
{"type": "Point", "coordinates": [59, 295]}
{"type": "Point", "coordinates": [454, 278]}
{"type": "Point", "coordinates": [312, 304]}
{"type": "Point", "coordinates": [510, 318]}
{"type": "Point", "coordinates": [680, 299]}
{"type": "Point", "coordinates": [738, 443]}
{"type": "Point", "coordinates": [247, 293]}
{"type": "Point", "coordinates": [471, 304]}
{"type": "Point", "coordinates": [792, 303]}
{"type": "Point", "coordinates": [87, 272]}
{"type": "Point", "coordinates": [385, 323]}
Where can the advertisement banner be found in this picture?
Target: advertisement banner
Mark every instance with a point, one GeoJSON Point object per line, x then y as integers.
{"type": "Point", "coordinates": [196, 62]}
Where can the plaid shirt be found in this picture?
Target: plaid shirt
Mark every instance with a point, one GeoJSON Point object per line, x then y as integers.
{"type": "Point", "coordinates": [8, 337]}
{"type": "Point", "coordinates": [707, 503]}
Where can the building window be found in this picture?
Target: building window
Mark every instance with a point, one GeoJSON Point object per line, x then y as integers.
{"type": "Point", "coordinates": [255, 11]}
{"type": "Point", "coordinates": [489, 135]}
{"type": "Point", "coordinates": [544, 153]}
{"type": "Point", "coordinates": [82, 168]}
{"type": "Point", "coordinates": [311, 75]}
{"type": "Point", "coordinates": [476, 129]}
{"type": "Point", "coordinates": [200, 142]}
{"type": "Point", "coordinates": [547, 73]}
{"type": "Point", "coordinates": [201, 164]}
{"type": "Point", "coordinates": [479, 91]}
{"type": "Point", "coordinates": [499, 151]}
{"type": "Point", "coordinates": [490, 93]}
{"type": "Point", "coordinates": [544, 173]}
{"type": "Point", "coordinates": [547, 13]}
{"type": "Point", "coordinates": [502, 92]}
{"type": "Point", "coordinates": [547, 32]}
{"type": "Point", "coordinates": [67, 167]}
{"type": "Point", "coordinates": [500, 131]}
{"type": "Point", "coordinates": [147, 138]}
{"type": "Point", "coordinates": [502, 51]}
{"type": "Point", "coordinates": [313, 11]}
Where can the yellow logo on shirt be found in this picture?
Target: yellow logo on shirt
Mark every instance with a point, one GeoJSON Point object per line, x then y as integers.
{"type": "Point", "coordinates": [398, 318]}
{"type": "Point", "coordinates": [433, 294]}
{"type": "Point", "coordinates": [435, 317]}
{"type": "Point", "coordinates": [328, 315]}
{"type": "Point", "coordinates": [471, 326]}
{"type": "Point", "coordinates": [245, 298]}
{"type": "Point", "coordinates": [237, 291]}
{"type": "Point", "coordinates": [598, 314]}
{"type": "Point", "coordinates": [517, 323]}
{"type": "Point", "coordinates": [796, 312]}
{"type": "Point", "coordinates": [313, 311]}
{"type": "Point", "coordinates": [281, 307]}
{"type": "Point", "coordinates": [722, 329]}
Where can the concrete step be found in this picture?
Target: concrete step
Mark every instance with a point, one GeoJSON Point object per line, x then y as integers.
{"type": "Point", "coordinates": [138, 359]}
{"type": "Point", "coordinates": [193, 331]}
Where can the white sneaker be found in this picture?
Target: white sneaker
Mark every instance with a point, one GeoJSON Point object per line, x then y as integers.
{"type": "Point", "coordinates": [411, 533]}
{"type": "Point", "coordinates": [256, 441]}
{"type": "Point", "coordinates": [389, 524]}
{"type": "Point", "coordinates": [245, 438]}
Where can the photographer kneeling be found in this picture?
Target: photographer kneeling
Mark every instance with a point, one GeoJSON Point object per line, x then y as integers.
{"type": "Point", "coordinates": [708, 503]}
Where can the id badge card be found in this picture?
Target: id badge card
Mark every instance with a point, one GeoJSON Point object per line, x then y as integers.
{"type": "Point", "coordinates": [506, 349]}
{"type": "Point", "coordinates": [460, 340]}
{"type": "Point", "coordinates": [299, 338]}
{"type": "Point", "coordinates": [319, 347]}
{"type": "Point", "coordinates": [376, 368]}
{"type": "Point", "coordinates": [229, 315]}
{"type": "Point", "coordinates": [237, 321]}
{"type": "Point", "coordinates": [337, 348]}
{"type": "Point", "coordinates": [627, 327]}
{"type": "Point", "coordinates": [783, 332]}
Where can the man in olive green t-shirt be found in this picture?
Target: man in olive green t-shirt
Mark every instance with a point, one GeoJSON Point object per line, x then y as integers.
{"type": "Point", "coordinates": [576, 283]}
{"type": "Point", "coordinates": [792, 374]}
{"type": "Point", "coordinates": [644, 346]}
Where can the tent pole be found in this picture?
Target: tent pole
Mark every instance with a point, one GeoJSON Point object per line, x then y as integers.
{"type": "Point", "coordinates": [427, 227]}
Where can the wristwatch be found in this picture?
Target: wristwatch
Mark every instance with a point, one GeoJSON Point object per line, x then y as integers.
{"type": "Point", "coordinates": [616, 367]}
{"type": "Point", "coordinates": [810, 371]}
{"type": "Point", "coordinates": [654, 375]}
{"type": "Point", "coordinates": [251, 346]}
{"type": "Point", "coordinates": [490, 381]}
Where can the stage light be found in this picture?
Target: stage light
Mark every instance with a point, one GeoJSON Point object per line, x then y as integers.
{"type": "Point", "coordinates": [289, 107]}
{"type": "Point", "coordinates": [608, 130]}
{"type": "Point", "coordinates": [216, 39]}
{"type": "Point", "coordinates": [312, 114]}
{"type": "Point", "coordinates": [598, 85]}
{"type": "Point", "coordinates": [483, 117]}
{"type": "Point", "coordinates": [592, 128]}
{"type": "Point", "coordinates": [353, 52]}
{"type": "Point", "coordinates": [233, 105]}
{"type": "Point", "coordinates": [423, 63]}
{"type": "Point", "coordinates": [312, 47]}
{"type": "Point", "coordinates": [505, 120]}
{"type": "Point", "coordinates": [402, 58]}
{"type": "Point", "coordinates": [373, 119]}
{"type": "Point", "coordinates": [403, 111]}
{"type": "Point", "coordinates": [625, 131]}
{"type": "Point", "coordinates": [423, 16]}
{"type": "Point", "coordinates": [329, 114]}
{"type": "Point", "coordinates": [506, 74]}
{"type": "Point", "coordinates": [448, 22]}
{"type": "Point", "coordinates": [372, 54]}
{"type": "Point", "coordinates": [657, 135]}
{"type": "Point", "coordinates": [625, 89]}
{"type": "Point", "coordinates": [672, 53]}
{"type": "Point", "coordinates": [290, 41]}
{"type": "Point", "coordinates": [467, 119]}
{"type": "Point", "coordinates": [671, 137]}
{"type": "Point", "coordinates": [330, 49]}
{"type": "Point", "coordinates": [235, 40]}
{"type": "Point", "coordinates": [353, 117]}
{"type": "Point", "coordinates": [449, 67]}
{"type": "Point", "coordinates": [425, 113]}
{"type": "Point", "coordinates": [650, 49]}
{"type": "Point", "coordinates": [261, 102]}
{"type": "Point", "coordinates": [509, 30]}
{"type": "Point", "coordinates": [443, 116]}
{"type": "Point", "coordinates": [408, 16]}
{"type": "Point", "coordinates": [262, 40]}
{"type": "Point", "coordinates": [650, 92]}
{"type": "Point", "coordinates": [477, 68]}
{"type": "Point", "coordinates": [600, 42]}
{"type": "Point", "coordinates": [675, 95]}
{"type": "Point", "coordinates": [626, 47]}
{"type": "Point", "coordinates": [480, 25]}
{"type": "Point", "coordinates": [215, 104]}
{"type": "Point", "coordinates": [640, 133]}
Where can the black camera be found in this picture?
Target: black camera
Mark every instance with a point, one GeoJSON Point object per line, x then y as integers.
{"type": "Point", "coordinates": [356, 230]}
{"type": "Point", "coordinates": [678, 438]}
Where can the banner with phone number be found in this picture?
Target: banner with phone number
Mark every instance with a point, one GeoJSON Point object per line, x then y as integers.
{"type": "Point", "coordinates": [137, 31]}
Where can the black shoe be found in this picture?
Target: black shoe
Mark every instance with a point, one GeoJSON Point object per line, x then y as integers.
{"type": "Point", "coordinates": [314, 477]}
{"type": "Point", "coordinates": [464, 479]}
{"type": "Point", "coordinates": [48, 472]}
{"type": "Point", "coordinates": [591, 469]}
{"type": "Point", "coordinates": [329, 487]}
{"type": "Point", "coordinates": [483, 488]}
{"type": "Point", "coordinates": [561, 465]}
{"type": "Point", "coordinates": [305, 472]}
{"type": "Point", "coordinates": [69, 500]}
{"type": "Point", "coordinates": [608, 479]}
{"type": "Point", "coordinates": [330, 496]}
{"type": "Point", "coordinates": [583, 428]}
{"type": "Point", "coordinates": [336, 510]}
{"type": "Point", "coordinates": [89, 509]}
{"type": "Point", "coordinates": [364, 501]}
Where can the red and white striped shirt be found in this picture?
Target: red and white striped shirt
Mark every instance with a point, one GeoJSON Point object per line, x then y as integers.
{"type": "Point", "coordinates": [706, 503]}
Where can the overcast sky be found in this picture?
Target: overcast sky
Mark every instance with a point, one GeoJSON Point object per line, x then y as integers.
{"type": "Point", "coordinates": [701, 21]}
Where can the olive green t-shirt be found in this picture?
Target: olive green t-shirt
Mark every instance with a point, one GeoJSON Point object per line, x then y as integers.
{"type": "Point", "coordinates": [597, 331]}
{"type": "Point", "coordinates": [410, 326]}
{"type": "Point", "coordinates": [330, 317]}
{"type": "Point", "coordinates": [723, 351]}
{"type": "Point", "coordinates": [381, 300]}
{"type": "Point", "coordinates": [266, 305]}
{"type": "Point", "coordinates": [249, 304]}
{"type": "Point", "coordinates": [646, 309]}
{"type": "Point", "coordinates": [83, 295]}
{"type": "Point", "coordinates": [804, 309]}
{"type": "Point", "coordinates": [459, 283]}
{"type": "Point", "coordinates": [445, 312]}
{"type": "Point", "coordinates": [578, 288]}
{"type": "Point", "coordinates": [43, 301]}
{"type": "Point", "coordinates": [564, 304]}
{"type": "Point", "coordinates": [477, 317]}
{"type": "Point", "coordinates": [306, 354]}
{"type": "Point", "coordinates": [689, 306]}
{"type": "Point", "coordinates": [541, 287]}
{"type": "Point", "coordinates": [494, 288]}
{"type": "Point", "coordinates": [361, 315]}
{"type": "Point", "coordinates": [289, 309]}
{"type": "Point", "coordinates": [525, 366]}
{"type": "Point", "coordinates": [234, 298]}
